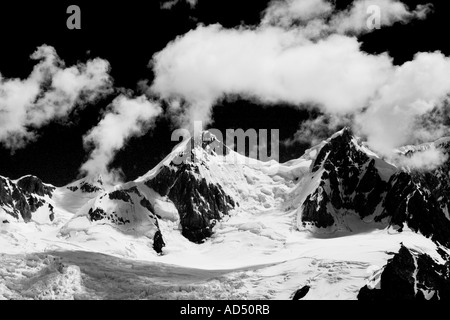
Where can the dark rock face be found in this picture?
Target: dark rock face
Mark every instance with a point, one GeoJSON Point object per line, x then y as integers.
{"type": "Point", "coordinates": [120, 195]}
{"type": "Point", "coordinates": [411, 275]}
{"type": "Point", "coordinates": [31, 184]}
{"type": "Point", "coordinates": [97, 214]}
{"type": "Point", "coordinates": [199, 203]}
{"type": "Point", "coordinates": [419, 200]}
{"type": "Point", "coordinates": [87, 185]}
{"type": "Point", "coordinates": [25, 197]}
{"type": "Point", "coordinates": [301, 293]}
{"type": "Point", "coordinates": [88, 188]}
{"type": "Point", "coordinates": [123, 214]}
{"type": "Point", "coordinates": [315, 209]}
{"type": "Point", "coordinates": [350, 183]}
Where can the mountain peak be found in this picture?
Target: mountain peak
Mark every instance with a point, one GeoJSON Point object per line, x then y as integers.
{"type": "Point", "coordinates": [345, 133]}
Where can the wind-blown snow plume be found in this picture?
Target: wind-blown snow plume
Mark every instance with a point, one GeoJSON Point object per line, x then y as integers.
{"type": "Point", "coordinates": [125, 118]}
{"type": "Point", "coordinates": [50, 92]}
{"type": "Point", "coordinates": [306, 52]}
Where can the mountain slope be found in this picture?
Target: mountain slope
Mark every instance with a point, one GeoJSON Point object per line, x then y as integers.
{"type": "Point", "coordinates": [75, 195]}
{"type": "Point", "coordinates": [347, 183]}
{"type": "Point", "coordinates": [205, 185]}
{"type": "Point", "coordinates": [26, 199]}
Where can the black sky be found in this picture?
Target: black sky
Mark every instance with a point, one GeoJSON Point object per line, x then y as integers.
{"type": "Point", "coordinates": [127, 34]}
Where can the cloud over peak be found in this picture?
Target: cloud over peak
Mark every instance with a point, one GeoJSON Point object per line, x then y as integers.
{"type": "Point", "coordinates": [306, 52]}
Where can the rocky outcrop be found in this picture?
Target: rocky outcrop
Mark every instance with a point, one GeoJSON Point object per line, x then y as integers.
{"type": "Point", "coordinates": [419, 200]}
{"type": "Point", "coordinates": [87, 185]}
{"type": "Point", "coordinates": [301, 293]}
{"type": "Point", "coordinates": [34, 185]}
{"type": "Point", "coordinates": [200, 203]}
{"type": "Point", "coordinates": [26, 196]}
{"type": "Point", "coordinates": [158, 242]}
{"type": "Point", "coordinates": [411, 275]}
{"type": "Point", "coordinates": [350, 183]}
{"type": "Point", "coordinates": [127, 210]}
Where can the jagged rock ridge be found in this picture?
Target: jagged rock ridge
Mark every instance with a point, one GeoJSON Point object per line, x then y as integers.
{"type": "Point", "coordinates": [22, 198]}
{"type": "Point", "coordinates": [200, 203]}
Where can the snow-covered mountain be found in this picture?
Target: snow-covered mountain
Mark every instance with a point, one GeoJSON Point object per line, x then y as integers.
{"type": "Point", "coordinates": [208, 209]}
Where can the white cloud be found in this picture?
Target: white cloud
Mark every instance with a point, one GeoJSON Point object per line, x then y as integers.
{"type": "Point", "coordinates": [303, 54]}
{"type": "Point", "coordinates": [50, 92]}
{"type": "Point", "coordinates": [270, 64]}
{"type": "Point", "coordinates": [427, 159]}
{"type": "Point", "coordinates": [125, 118]}
{"type": "Point", "coordinates": [414, 89]}
{"type": "Point", "coordinates": [319, 17]}
{"type": "Point", "coordinates": [285, 13]}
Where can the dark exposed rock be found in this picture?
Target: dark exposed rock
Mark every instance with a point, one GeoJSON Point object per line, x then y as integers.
{"type": "Point", "coordinates": [350, 182]}
{"type": "Point", "coordinates": [315, 210]}
{"type": "Point", "coordinates": [97, 214]}
{"type": "Point", "coordinates": [163, 181]}
{"type": "Point", "coordinates": [13, 200]}
{"type": "Point", "coordinates": [158, 242]}
{"type": "Point", "coordinates": [147, 204]}
{"type": "Point", "coordinates": [32, 184]}
{"type": "Point", "coordinates": [411, 275]}
{"type": "Point", "coordinates": [301, 293]}
{"type": "Point", "coordinates": [421, 199]}
{"type": "Point", "coordinates": [24, 197]}
{"type": "Point", "coordinates": [89, 188]}
{"type": "Point", "coordinates": [52, 213]}
{"type": "Point", "coordinates": [120, 195]}
{"type": "Point", "coordinates": [198, 202]}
